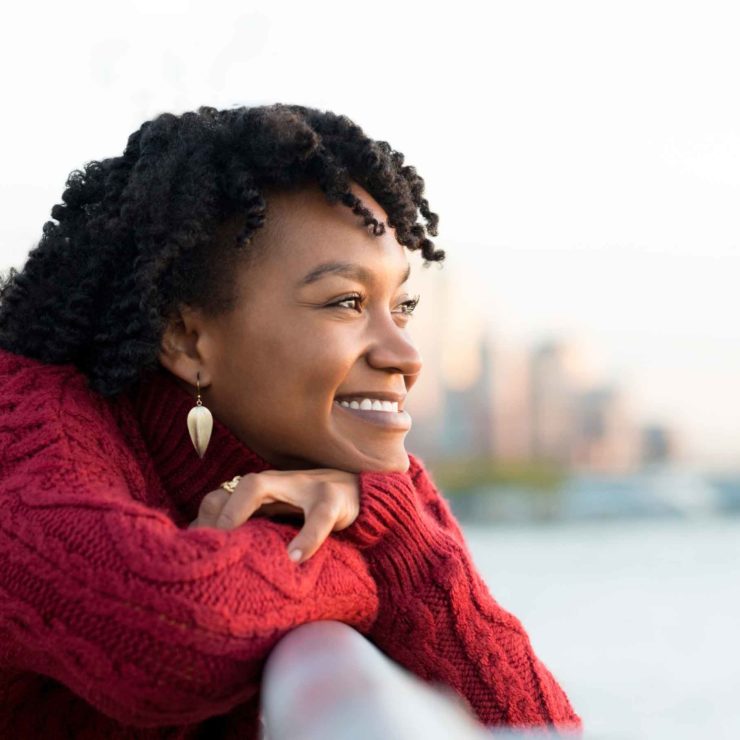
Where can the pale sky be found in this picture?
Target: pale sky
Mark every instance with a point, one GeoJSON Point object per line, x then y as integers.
{"type": "Point", "coordinates": [584, 156]}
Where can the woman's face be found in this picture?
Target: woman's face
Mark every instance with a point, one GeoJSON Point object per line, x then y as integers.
{"type": "Point", "coordinates": [321, 317]}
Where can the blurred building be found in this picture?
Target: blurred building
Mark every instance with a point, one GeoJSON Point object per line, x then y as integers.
{"type": "Point", "coordinates": [555, 386]}
{"type": "Point", "coordinates": [511, 402]}
{"type": "Point", "coordinates": [659, 445]}
{"type": "Point", "coordinates": [608, 439]}
{"type": "Point", "coordinates": [466, 424]}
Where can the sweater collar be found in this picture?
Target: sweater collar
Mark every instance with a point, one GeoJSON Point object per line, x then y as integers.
{"type": "Point", "coordinates": [162, 407]}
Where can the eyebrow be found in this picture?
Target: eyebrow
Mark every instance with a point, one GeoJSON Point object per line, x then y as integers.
{"type": "Point", "coordinates": [347, 269]}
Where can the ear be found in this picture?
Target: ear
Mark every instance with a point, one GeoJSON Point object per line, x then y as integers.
{"type": "Point", "coordinates": [185, 345]}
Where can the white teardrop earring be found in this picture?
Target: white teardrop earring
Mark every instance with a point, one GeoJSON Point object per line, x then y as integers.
{"type": "Point", "coordinates": [200, 423]}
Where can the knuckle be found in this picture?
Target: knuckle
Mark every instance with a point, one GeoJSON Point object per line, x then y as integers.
{"type": "Point", "coordinates": [212, 503]}
{"type": "Point", "coordinates": [327, 508]}
{"type": "Point", "coordinates": [251, 484]}
{"type": "Point", "coordinates": [226, 519]}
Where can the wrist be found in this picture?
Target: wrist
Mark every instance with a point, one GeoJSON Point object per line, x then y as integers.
{"type": "Point", "coordinates": [394, 530]}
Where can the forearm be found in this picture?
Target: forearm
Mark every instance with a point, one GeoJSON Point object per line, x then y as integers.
{"type": "Point", "coordinates": [151, 624]}
{"type": "Point", "coordinates": [438, 618]}
{"type": "Point", "coordinates": [446, 627]}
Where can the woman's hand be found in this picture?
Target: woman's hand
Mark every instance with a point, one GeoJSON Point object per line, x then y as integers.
{"type": "Point", "coordinates": [328, 498]}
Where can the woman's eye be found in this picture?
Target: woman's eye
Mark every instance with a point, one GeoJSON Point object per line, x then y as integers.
{"type": "Point", "coordinates": [409, 306]}
{"type": "Point", "coordinates": [350, 299]}
{"type": "Point", "coordinates": [355, 302]}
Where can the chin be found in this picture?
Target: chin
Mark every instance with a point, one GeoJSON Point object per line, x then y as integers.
{"type": "Point", "coordinates": [356, 460]}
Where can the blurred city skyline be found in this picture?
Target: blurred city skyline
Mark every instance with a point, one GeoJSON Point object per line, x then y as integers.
{"type": "Point", "coordinates": [584, 159]}
{"type": "Point", "coordinates": [458, 319]}
{"type": "Point", "coordinates": [483, 395]}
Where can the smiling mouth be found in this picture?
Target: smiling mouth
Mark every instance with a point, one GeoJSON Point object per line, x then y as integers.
{"type": "Point", "coordinates": [387, 416]}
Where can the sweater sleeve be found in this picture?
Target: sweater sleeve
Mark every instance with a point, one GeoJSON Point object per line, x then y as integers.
{"type": "Point", "coordinates": [152, 624]}
{"type": "Point", "coordinates": [437, 617]}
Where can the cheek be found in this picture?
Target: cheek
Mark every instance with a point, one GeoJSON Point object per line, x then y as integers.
{"type": "Point", "coordinates": [329, 358]}
{"type": "Point", "coordinates": [291, 370]}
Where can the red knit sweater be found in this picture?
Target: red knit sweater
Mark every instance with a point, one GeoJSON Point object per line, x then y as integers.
{"type": "Point", "coordinates": [118, 621]}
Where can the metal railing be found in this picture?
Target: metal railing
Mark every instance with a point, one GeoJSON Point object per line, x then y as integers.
{"type": "Point", "coordinates": [325, 681]}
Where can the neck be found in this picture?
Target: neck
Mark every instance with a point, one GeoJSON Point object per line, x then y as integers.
{"type": "Point", "coordinates": [161, 406]}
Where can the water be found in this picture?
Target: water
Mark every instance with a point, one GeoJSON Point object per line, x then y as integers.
{"type": "Point", "coordinates": [653, 492]}
{"type": "Point", "coordinates": [638, 620]}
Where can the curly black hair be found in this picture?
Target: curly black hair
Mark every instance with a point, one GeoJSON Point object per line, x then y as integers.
{"type": "Point", "coordinates": [138, 235]}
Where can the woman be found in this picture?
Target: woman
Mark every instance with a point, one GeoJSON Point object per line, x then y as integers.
{"type": "Point", "coordinates": [248, 264]}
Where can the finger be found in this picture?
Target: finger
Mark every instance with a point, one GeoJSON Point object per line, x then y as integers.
{"type": "Point", "coordinates": [248, 496]}
{"type": "Point", "coordinates": [320, 521]}
{"type": "Point", "coordinates": [210, 508]}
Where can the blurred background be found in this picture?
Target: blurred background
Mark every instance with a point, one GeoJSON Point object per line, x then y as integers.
{"type": "Point", "coordinates": [580, 397]}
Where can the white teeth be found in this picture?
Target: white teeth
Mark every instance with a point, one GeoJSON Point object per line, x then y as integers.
{"type": "Point", "coordinates": [370, 404]}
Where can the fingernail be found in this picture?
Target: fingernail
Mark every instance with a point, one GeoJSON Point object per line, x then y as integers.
{"type": "Point", "coordinates": [295, 555]}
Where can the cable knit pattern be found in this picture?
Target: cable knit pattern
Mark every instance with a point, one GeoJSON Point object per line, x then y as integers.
{"type": "Point", "coordinates": [117, 621]}
{"type": "Point", "coordinates": [451, 630]}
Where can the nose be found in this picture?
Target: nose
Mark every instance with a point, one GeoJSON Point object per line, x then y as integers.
{"type": "Point", "coordinates": [392, 349]}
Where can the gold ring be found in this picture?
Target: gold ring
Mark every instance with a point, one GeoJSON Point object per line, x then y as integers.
{"type": "Point", "coordinates": [230, 485]}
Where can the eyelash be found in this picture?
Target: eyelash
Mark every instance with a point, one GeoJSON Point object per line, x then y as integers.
{"type": "Point", "coordinates": [361, 297]}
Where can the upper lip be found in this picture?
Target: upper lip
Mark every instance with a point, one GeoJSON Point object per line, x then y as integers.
{"type": "Point", "coordinates": [380, 395]}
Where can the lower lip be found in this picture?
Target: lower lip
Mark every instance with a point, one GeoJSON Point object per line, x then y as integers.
{"type": "Point", "coordinates": [395, 420]}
